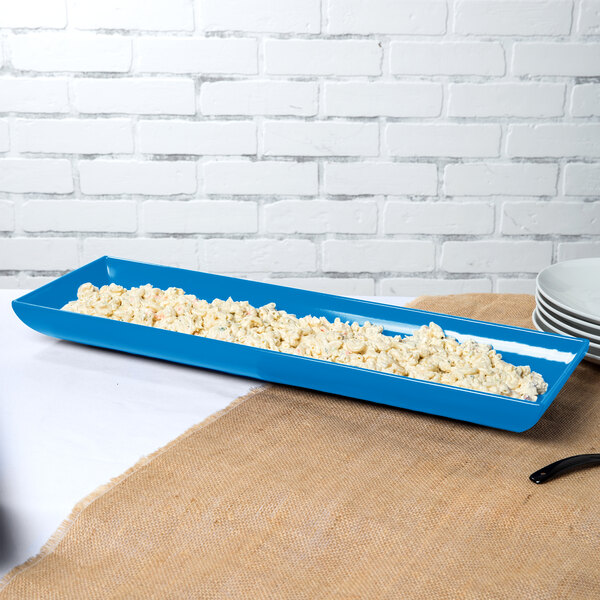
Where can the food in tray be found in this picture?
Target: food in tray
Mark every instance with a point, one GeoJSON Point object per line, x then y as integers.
{"type": "Point", "coordinates": [427, 354]}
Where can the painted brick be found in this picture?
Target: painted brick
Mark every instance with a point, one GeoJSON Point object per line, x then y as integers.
{"type": "Point", "coordinates": [51, 14]}
{"type": "Point", "coordinates": [328, 285]}
{"type": "Point", "coordinates": [322, 57]}
{"type": "Point", "coordinates": [314, 138]}
{"type": "Point", "coordinates": [165, 251]}
{"type": "Point", "coordinates": [406, 98]}
{"type": "Point", "coordinates": [226, 256]}
{"type": "Point", "coordinates": [195, 55]}
{"type": "Point", "coordinates": [277, 16]}
{"type": "Point", "coordinates": [77, 136]}
{"type": "Point", "coordinates": [151, 96]}
{"type": "Point", "coordinates": [386, 16]}
{"type": "Point", "coordinates": [501, 17]}
{"type": "Point", "coordinates": [448, 58]}
{"type": "Point", "coordinates": [417, 286]}
{"type": "Point", "coordinates": [38, 254]}
{"type": "Point", "coordinates": [445, 218]}
{"type": "Point", "coordinates": [447, 139]}
{"type": "Point", "coordinates": [588, 21]}
{"type": "Point", "coordinates": [553, 58]}
{"type": "Point", "coordinates": [506, 99]}
{"type": "Point", "coordinates": [489, 179]}
{"type": "Point", "coordinates": [362, 178]}
{"type": "Point", "coordinates": [374, 99]}
{"type": "Point", "coordinates": [515, 286]}
{"type": "Point", "coordinates": [573, 250]}
{"type": "Point", "coordinates": [79, 215]}
{"type": "Point", "coordinates": [71, 51]}
{"type": "Point", "coordinates": [50, 176]}
{"type": "Point", "coordinates": [4, 136]}
{"type": "Point", "coordinates": [582, 179]}
{"type": "Point", "coordinates": [321, 216]}
{"type": "Point", "coordinates": [376, 256]}
{"type": "Point", "coordinates": [137, 177]}
{"type": "Point", "coordinates": [495, 256]}
{"type": "Point", "coordinates": [265, 177]}
{"type": "Point", "coordinates": [199, 216]}
{"type": "Point", "coordinates": [554, 139]}
{"type": "Point", "coordinates": [585, 100]}
{"type": "Point", "coordinates": [566, 218]}
{"type": "Point", "coordinates": [259, 98]}
{"type": "Point", "coordinates": [34, 94]}
{"type": "Point", "coordinates": [194, 137]}
{"type": "Point", "coordinates": [159, 15]}
{"type": "Point", "coordinates": [7, 215]}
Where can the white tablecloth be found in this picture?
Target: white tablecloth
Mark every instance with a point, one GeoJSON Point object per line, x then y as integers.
{"type": "Point", "coordinates": [72, 417]}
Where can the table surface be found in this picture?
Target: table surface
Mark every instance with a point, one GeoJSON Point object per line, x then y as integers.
{"type": "Point", "coordinates": [72, 417]}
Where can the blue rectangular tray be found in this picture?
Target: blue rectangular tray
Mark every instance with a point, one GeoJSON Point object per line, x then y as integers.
{"type": "Point", "coordinates": [554, 356]}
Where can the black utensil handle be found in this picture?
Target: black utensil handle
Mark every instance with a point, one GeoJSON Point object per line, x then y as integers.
{"type": "Point", "coordinates": [562, 466]}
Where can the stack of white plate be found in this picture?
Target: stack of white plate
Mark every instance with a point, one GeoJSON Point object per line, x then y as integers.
{"type": "Point", "coordinates": [567, 298]}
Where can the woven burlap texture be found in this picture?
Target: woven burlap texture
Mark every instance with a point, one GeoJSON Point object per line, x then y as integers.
{"type": "Point", "coordinates": [295, 494]}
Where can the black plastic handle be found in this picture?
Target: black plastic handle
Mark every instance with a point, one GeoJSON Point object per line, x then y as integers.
{"type": "Point", "coordinates": [563, 466]}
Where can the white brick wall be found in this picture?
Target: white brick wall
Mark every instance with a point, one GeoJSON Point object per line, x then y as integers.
{"type": "Point", "coordinates": [300, 138]}
{"type": "Point", "coordinates": [322, 57]}
{"type": "Point", "coordinates": [157, 15]}
{"type": "Point", "coordinates": [537, 100]}
{"type": "Point", "coordinates": [33, 13]}
{"type": "Point", "coordinates": [208, 137]}
{"type": "Point", "coordinates": [79, 215]}
{"type": "Point", "coordinates": [585, 101]}
{"type": "Point", "coordinates": [144, 96]}
{"type": "Point", "coordinates": [249, 256]}
{"type": "Point", "coordinates": [380, 178]}
{"type": "Point", "coordinates": [72, 136]}
{"type": "Point", "coordinates": [495, 256]}
{"type": "Point", "coordinates": [260, 178]}
{"type": "Point", "coordinates": [199, 216]}
{"type": "Point", "coordinates": [34, 95]}
{"type": "Point", "coordinates": [582, 179]}
{"type": "Point", "coordinates": [272, 98]}
{"type": "Point", "coordinates": [277, 16]}
{"type": "Point", "coordinates": [588, 22]}
{"type": "Point", "coordinates": [450, 58]}
{"type": "Point", "coordinates": [70, 52]}
{"type": "Point", "coordinates": [350, 146]}
{"type": "Point", "coordinates": [150, 178]}
{"type": "Point", "coordinates": [376, 256]}
{"type": "Point", "coordinates": [386, 16]}
{"type": "Point", "coordinates": [502, 17]}
{"type": "Point", "coordinates": [374, 99]}
{"type": "Point", "coordinates": [454, 140]}
{"type": "Point", "coordinates": [192, 55]}
{"type": "Point", "coordinates": [321, 216]}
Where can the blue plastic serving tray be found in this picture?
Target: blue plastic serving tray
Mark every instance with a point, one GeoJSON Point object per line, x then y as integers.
{"type": "Point", "coordinates": [554, 356]}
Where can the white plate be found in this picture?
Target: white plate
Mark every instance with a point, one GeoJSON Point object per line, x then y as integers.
{"type": "Point", "coordinates": [563, 317]}
{"type": "Point", "coordinates": [574, 286]}
{"type": "Point", "coordinates": [590, 356]}
{"type": "Point", "coordinates": [595, 348]}
{"type": "Point", "coordinates": [557, 322]}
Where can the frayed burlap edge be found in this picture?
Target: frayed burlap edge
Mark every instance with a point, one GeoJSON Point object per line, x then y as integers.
{"type": "Point", "coordinates": [66, 525]}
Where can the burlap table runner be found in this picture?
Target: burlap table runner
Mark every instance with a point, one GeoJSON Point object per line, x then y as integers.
{"type": "Point", "coordinates": [294, 494]}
